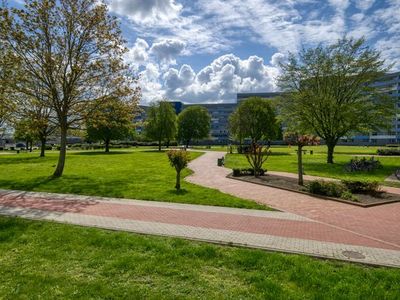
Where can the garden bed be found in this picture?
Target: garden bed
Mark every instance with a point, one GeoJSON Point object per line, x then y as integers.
{"type": "Point", "coordinates": [290, 184]}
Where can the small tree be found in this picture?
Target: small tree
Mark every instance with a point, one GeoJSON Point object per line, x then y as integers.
{"type": "Point", "coordinates": [179, 160]}
{"type": "Point", "coordinates": [329, 91]}
{"type": "Point", "coordinates": [294, 138]}
{"type": "Point", "coordinates": [257, 156]}
{"type": "Point", "coordinates": [110, 120]}
{"type": "Point", "coordinates": [24, 131]}
{"type": "Point", "coordinates": [194, 122]}
{"type": "Point", "coordinates": [40, 117]}
{"type": "Point", "coordinates": [161, 122]}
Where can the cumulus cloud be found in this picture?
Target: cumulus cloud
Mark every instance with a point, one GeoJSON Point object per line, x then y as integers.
{"type": "Point", "coordinates": [138, 54]}
{"type": "Point", "coordinates": [147, 11]}
{"type": "Point", "coordinates": [167, 50]}
{"type": "Point", "coordinates": [221, 80]}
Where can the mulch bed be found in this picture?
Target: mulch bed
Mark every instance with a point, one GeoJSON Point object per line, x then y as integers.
{"type": "Point", "coordinates": [290, 184]}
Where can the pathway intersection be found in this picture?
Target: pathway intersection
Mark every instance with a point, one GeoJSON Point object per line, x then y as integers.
{"type": "Point", "coordinates": [304, 224]}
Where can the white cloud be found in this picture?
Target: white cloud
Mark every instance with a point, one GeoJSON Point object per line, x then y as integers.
{"type": "Point", "coordinates": [138, 54]}
{"type": "Point", "coordinates": [147, 11]}
{"type": "Point", "coordinates": [364, 4]}
{"type": "Point", "coordinates": [221, 80]}
{"type": "Point", "coordinates": [167, 50]}
{"type": "Point", "coordinates": [340, 4]}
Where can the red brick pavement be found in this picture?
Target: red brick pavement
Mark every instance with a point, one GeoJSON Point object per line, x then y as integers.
{"type": "Point", "coordinates": [214, 220]}
{"type": "Point", "coordinates": [379, 222]}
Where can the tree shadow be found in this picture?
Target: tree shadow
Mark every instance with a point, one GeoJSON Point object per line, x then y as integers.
{"type": "Point", "coordinates": [178, 192]}
{"type": "Point", "coordinates": [15, 160]}
{"type": "Point", "coordinates": [95, 153]}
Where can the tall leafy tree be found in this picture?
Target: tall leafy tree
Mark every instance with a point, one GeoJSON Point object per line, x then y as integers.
{"type": "Point", "coordinates": [329, 92]}
{"type": "Point", "coordinates": [194, 122]}
{"type": "Point", "coordinates": [8, 73]}
{"type": "Point", "coordinates": [110, 120]}
{"type": "Point", "coordinates": [75, 50]}
{"type": "Point", "coordinates": [255, 119]}
{"type": "Point", "coordinates": [161, 122]}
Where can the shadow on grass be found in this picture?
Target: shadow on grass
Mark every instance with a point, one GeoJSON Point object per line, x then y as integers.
{"type": "Point", "coordinates": [94, 153]}
{"type": "Point", "coordinates": [178, 192]}
{"type": "Point", "coordinates": [11, 228]}
{"type": "Point", "coordinates": [27, 185]}
{"type": "Point", "coordinates": [16, 160]}
{"type": "Point", "coordinates": [155, 150]}
{"type": "Point", "coordinates": [69, 184]}
{"type": "Point", "coordinates": [273, 153]}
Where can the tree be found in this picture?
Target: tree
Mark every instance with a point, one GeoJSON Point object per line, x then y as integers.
{"type": "Point", "coordinates": [256, 157]}
{"type": "Point", "coordinates": [329, 91]}
{"type": "Point", "coordinates": [294, 138]}
{"type": "Point", "coordinates": [255, 119]}
{"type": "Point", "coordinates": [179, 160]}
{"type": "Point", "coordinates": [236, 128]}
{"type": "Point", "coordinates": [74, 49]}
{"type": "Point", "coordinates": [34, 109]}
{"type": "Point", "coordinates": [110, 120]}
{"type": "Point", "coordinates": [193, 123]}
{"type": "Point", "coordinates": [24, 131]}
{"type": "Point", "coordinates": [8, 73]}
{"type": "Point", "coordinates": [161, 122]}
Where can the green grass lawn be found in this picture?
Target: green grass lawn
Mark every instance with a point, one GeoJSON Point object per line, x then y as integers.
{"type": "Point", "coordinates": [211, 148]}
{"type": "Point", "coordinates": [285, 159]}
{"type": "Point", "coordinates": [126, 174]}
{"type": "Point", "coordinates": [45, 260]}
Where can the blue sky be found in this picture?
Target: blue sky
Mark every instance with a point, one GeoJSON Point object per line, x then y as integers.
{"type": "Point", "coordinates": [208, 50]}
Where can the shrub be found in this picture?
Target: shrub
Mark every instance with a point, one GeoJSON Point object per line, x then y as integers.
{"type": "Point", "coordinates": [346, 195]}
{"type": "Point", "coordinates": [362, 187]}
{"type": "Point", "coordinates": [326, 188]}
{"type": "Point", "coordinates": [236, 172]}
{"type": "Point", "coordinates": [363, 164]}
{"type": "Point", "coordinates": [179, 160]}
{"type": "Point", "coordinates": [384, 152]}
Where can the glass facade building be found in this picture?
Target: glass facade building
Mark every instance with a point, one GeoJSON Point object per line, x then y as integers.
{"type": "Point", "coordinates": [389, 84]}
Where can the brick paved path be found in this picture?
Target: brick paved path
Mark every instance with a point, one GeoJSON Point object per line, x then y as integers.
{"type": "Point", "coordinates": [378, 222]}
{"type": "Point", "coordinates": [279, 231]}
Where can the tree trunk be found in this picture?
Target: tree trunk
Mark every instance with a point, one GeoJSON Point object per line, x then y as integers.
{"type": "Point", "coordinates": [107, 145]}
{"type": "Point", "coordinates": [187, 144]}
{"type": "Point", "coordinates": [63, 151]}
{"type": "Point", "coordinates": [331, 147]}
{"type": "Point", "coordinates": [42, 147]}
{"type": "Point", "coordinates": [178, 180]}
{"type": "Point", "coordinates": [168, 141]}
{"type": "Point", "coordinates": [300, 164]}
{"type": "Point", "coordinates": [27, 145]}
{"type": "Point", "coordinates": [159, 145]}
{"type": "Point", "coordinates": [31, 146]}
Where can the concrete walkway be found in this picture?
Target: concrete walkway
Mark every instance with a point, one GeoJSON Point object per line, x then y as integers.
{"type": "Point", "coordinates": [277, 231]}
